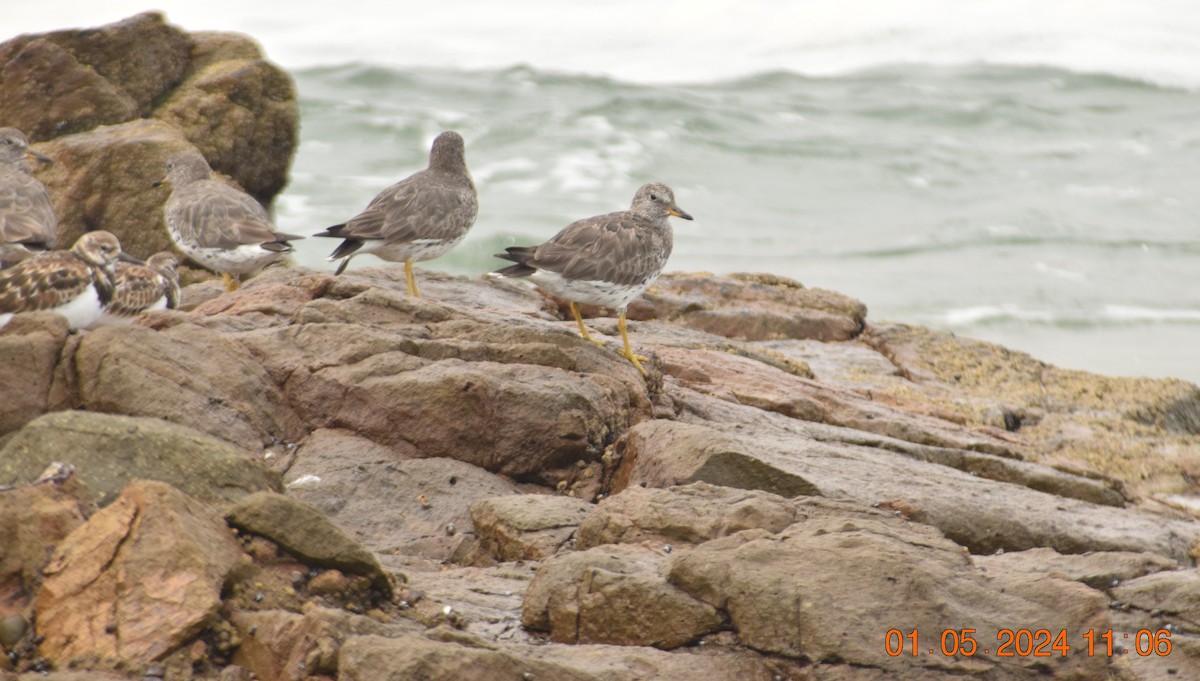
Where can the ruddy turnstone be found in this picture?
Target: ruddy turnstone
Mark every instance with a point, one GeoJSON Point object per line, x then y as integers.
{"type": "Point", "coordinates": [218, 226]}
{"type": "Point", "coordinates": [27, 222]}
{"type": "Point", "coordinates": [140, 287]}
{"type": "Point", "coordinates": [76, 284]}
{"type": "Point", "coordinates": [607, 260]}
{"type": "Point", "coordinates": [419, 218]}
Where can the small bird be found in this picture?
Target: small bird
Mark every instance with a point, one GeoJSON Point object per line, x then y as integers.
{"type": "Point", "coordinates": [140, 287]}
{"type": "Point", "coordinates": [607, 260]}
{"type": "Point", "coordinates": [419, 218]}
{"type": "Point", "coordinates": [76, 284]}
{"type": "Point", "coordinates": [27, 222]}
{"type": "Point", "coordinates": [218, 226]}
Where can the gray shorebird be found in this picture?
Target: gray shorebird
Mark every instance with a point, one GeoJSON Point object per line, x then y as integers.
{"type": "Point", "coordinates": [27, 222]}
{"type": "Point", "coordinates": [76, 284]}
{"type": "Point", "coordinates": [218, 226]}
{"type": "Point", "coordinates": [607, 260]}
{"type": "Point", "coordinates": [141, 287]}
{"type": "Point", "coordinates": [419, 218]}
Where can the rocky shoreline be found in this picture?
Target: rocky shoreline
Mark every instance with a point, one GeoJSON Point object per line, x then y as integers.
{"type": "Point", "coordinates": [352, 483]}
{"type": "Point", "coordinates": [319, 477]}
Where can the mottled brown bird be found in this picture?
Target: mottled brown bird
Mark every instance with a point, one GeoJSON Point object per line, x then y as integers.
{"type": "Point", "coordinates": [218, 226]}
{"type": "Point", "coordinates": [419, 218]}
{"type": "Point", "coordinates": [27, 222]}
{"type": "Point", "coordinates": [140, 287]}
{"type": "Point", "coordinates": [76, 284]}
{"type": "Point", "coordinates": [607, 260]}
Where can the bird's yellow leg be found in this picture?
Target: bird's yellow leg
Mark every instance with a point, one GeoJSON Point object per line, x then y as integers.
{"type": "Point", "coordinates": [583, 329]}
{"type": "Point", "coordinates": [411, 279]}
{"type": "Point", "coordinates": [627, 352]}
{"type": "Point", "coordinates": [231, 284]}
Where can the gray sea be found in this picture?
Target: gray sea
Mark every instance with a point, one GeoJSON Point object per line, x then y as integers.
{"type": "Point", "coordinates": [1021, 172]}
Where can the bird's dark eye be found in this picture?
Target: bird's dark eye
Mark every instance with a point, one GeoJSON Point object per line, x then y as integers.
{"type": "Point", "coordinates": [654, 197]}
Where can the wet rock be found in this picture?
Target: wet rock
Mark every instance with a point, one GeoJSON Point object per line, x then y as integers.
{"type": "Point", "coordinates": [690, 514]}
{"type": "Point", "coordinates": [751, 307]}
{"type": "Point", "coordinates": [31, 346]}
{"type": "Point", "coordinates": [526, 526]}
{"type": "Point", "coordinates": [109, 451]}
{"type": "Point", "coordinates": [792, 459]}
{"type": "Point", "coordinates": [306, 533]}
{"type": "Point", "coordinates": [614, 594]}
{"type": "Point", "coordinates": [822, 590]}
{"type": "Point", "coordinates": [400, 508]}
{"type": "Point", "coordinates": [137, 580]}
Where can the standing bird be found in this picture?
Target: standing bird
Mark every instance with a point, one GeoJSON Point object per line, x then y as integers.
{"type": "Point", "coordinates": [419, 218]}
{"type": "Point", "coordinates": [27, 222]}
{"type": "Point", "coordinates": [218, 226]}
{"type": "Point", "coordinates": [138, 287]}
{"type": "Point", "coordinates": [607, 260]}
{"type": "Point", "coordinates": [76, 284]}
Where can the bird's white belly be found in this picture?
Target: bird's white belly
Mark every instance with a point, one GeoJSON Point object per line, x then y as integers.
{"type": "Point", "coordinates": [241, 260]}
{"type": "Point", "coordinates": [418, 250]}
{"type": "Point", "coordinates": [82, 310]}
{"type": "Point", "coordinates": [603, 293]}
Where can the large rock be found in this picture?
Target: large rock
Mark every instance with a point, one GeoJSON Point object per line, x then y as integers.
{"type": "Point", "coordinates": [306, 533]}
{"type": "Point", "coordinates": [114, 101]}
{"type": "Point", "coordinates": [239, 110]}
{"type": "Point", "coordinates": [33, 378]}
{"type": "Point", "coordinates": [1138, 430]}
{"type": "Point", "coordinates": [428, 380]}
{"type": "Point", "coordinates": [286, 646]}
{"type": "Point", "coordinates": [690, 514]}
{"type": "Point", "coordinates": [745, 381]}
{"type": "Point", "coordinates": [785, 457]}
{"type": "Point", "coordinates": [527, 526]}
{"type": "Point", "coordinates": [402, 509]}
{"type": "Point", "coordinates": [1168, 597]}
{"type": "Point", "coordinates": [187, 375]}
{"type": "Point", "coordinates": [1100, 570]}
{"type": "Point", "coordinates": [137, 580]}
{"type": "Point", "coordinates": [614, 594]}
{"type": "Point", "coordinates": [131, 63]}
{"type": "Point", "coordinates": [108, 452]}
{"type": "Point", "coordinates": [101, 179]}
{"type": "Point", "coordinates": [440, 656]}
{"type": "Point", "coordinates": [828, 589]}
{"type": "Point", "coordinates": [752, 307]}
{"type": "Point", "coordinates": [33, 520]}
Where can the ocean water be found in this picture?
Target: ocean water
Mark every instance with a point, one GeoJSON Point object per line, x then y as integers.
{"type": "Point", "coordinates": [1022, 172]}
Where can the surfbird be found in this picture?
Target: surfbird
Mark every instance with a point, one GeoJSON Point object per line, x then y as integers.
{"type": "Point", "coordinates": [141, 287]}
{"type": "Point", "coordinates": [27, 222]}
{"type": "Point", "coordinates": [607, 260]}
{"type": "Point", "coordinates": [76, 284]}
{"type": "Point", "coordinates": [419, 218]}
{"type": "Point", "coordinates": [217, 225]}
